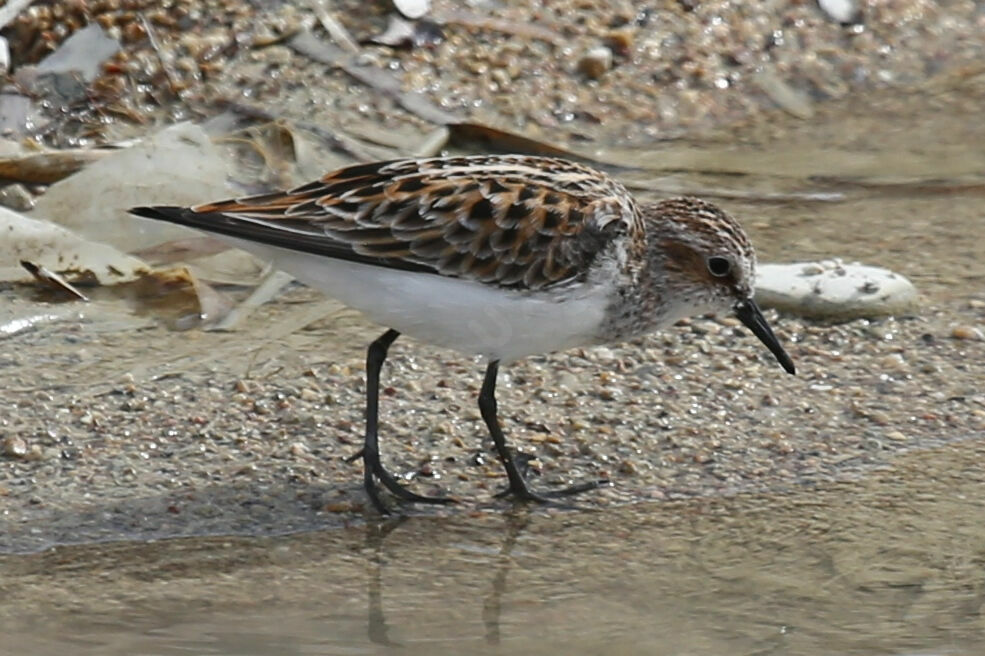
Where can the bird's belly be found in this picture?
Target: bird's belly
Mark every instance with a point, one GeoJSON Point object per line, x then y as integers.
{"type": "Point", "coordinates": [463, 315]}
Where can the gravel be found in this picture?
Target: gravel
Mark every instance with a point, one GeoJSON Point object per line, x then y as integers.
{"type": "Point", "coordinates": [675, 66]}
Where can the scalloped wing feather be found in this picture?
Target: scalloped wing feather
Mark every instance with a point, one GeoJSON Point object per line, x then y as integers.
{"type": "Point", "coordinates": [513, 221]}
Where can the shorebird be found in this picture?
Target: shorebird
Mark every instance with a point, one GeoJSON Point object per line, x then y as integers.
{"type": "Point", "coordinates": [501, 256]}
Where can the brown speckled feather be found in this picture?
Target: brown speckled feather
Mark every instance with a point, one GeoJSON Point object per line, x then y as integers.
{"type": "Point", "coordinates": [513, 221]}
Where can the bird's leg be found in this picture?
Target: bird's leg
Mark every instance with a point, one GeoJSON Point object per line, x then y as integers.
{"type": "Point", "coordinates": [517, 487]}
{"type": "Point", "coordinates": [372, 466]}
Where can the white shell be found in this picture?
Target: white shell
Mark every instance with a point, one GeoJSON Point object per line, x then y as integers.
{"type": "Point", "coordinates": [833, 290]}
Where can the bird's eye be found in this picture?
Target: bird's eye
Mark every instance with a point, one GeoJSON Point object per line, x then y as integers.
{"type": "Point", "coordinates": [719, 266]}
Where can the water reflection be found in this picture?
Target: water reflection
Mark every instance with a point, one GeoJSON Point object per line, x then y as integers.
{"type": "Point", "coordinates": [516, 523]}
{"type": "Point", "coordinates": [375, 534]}
{"type": "Point", "coordinates": [882, 566]}
{"type": "Point", "coordinates": [378, 632]}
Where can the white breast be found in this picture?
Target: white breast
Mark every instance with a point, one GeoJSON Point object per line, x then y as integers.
{"type": "Point", "coordinates": [466, 316]}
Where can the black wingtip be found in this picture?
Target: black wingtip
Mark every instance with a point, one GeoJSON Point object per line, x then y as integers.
{"type": "Point", "coordinates": [160, 212]}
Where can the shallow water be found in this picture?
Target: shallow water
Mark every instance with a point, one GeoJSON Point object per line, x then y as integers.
{"type": "Point", "coordinates": [888, 563]}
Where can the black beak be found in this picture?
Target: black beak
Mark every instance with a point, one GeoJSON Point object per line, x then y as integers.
{"type": "Point", "coordinates": [749, 314]}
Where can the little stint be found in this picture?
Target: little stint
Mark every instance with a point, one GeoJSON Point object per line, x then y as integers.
{"type": "Point", "coordinates": [501, 256]}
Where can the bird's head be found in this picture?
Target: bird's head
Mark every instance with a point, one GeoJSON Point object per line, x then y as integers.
{"type": "Point", "coordinates": [707, 264]}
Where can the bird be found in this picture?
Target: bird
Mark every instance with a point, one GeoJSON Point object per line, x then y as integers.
{"type": "Point", "coordinates": [498, 256]}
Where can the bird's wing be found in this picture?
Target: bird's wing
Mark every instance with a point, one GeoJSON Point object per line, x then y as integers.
{"type": "Point", "coordinates": [514, 221]}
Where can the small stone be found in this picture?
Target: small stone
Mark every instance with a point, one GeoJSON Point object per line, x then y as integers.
{"type": "Point", "coordinates": [832, 289]}
{"type": "Point", "coordinates": [609, 394]}
{"type": "Point", "coordinates": [339, 507]}
{"type": "Point", "coordinates": [893, 362]}
{"type": "Point", "coordinates": [14, 446]}
{"type": "Point", "coordinates": [36, 453]}
{"type": "Point", "coordinates": [16, 197]}
{"type": "Point", "coordinates": [968, 332]}
{"type": "Point", "coordinates": [880, 417]}
{"type": "Point", "coordinates": [412, 9]}
{"type": "Point", "coordinates": [595, 63]}
{"type": "Point", "coordinates": [567, 380]}
{"type": "Point", "coordinates": [620, 41]}
{"type": "Point", "coordinates": [895, 436]}
{"type": "Point", "coordinates": [842, 11]}
{"type": "Point", "coordinates": [604, 354]}
{"type": "Point", "coordinates": [628, 467]}
{"type": "Point", "coordinates": [299, 449]}
{"type": "Point", "coordinates": [310, 395]}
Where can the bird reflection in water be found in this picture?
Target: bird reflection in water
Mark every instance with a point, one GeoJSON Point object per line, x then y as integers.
{"type": "Point", "coordinates": [378, 631]}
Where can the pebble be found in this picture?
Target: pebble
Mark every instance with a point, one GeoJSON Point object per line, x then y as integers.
{"type": "Point", "coordinates": [968, 332]}
{"type": "Point", "coordinates": [412, 9]}
{"type": "Point", "coordinates": [15, 447]}
{"type": "Point", "coordinates": [341, 507]}
{"type": "Point", "coordinates": [789, 99]}
{"type": "Point", "coordinates": [595, 63]}
{"type": "Point", "coordinates": [893, 362]}
{"type": "Point", "coordinates": [628, 467]}
{"type": "Point", "coordinates": [609, 393]}
{"type": "Point", "coordinates": [620, 41]}
{"type": "Point", "coordinates": [834, 290]}
{"type": "Point", "coordinates": [16, 197]}
{"type": "Point", "coordinates": [843, 11]}
{"type": "Point", "coordinates": [604, 354]}
{"type": "Point", "coordinates": [567, 381]}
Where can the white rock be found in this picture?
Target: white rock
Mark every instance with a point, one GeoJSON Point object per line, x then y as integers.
{"type": "Point", "coordinates": [833, 290]}
{"type": "Point", "coordinates": [843, 11]}
{"type": "Point", "coordinates": [412, 9]}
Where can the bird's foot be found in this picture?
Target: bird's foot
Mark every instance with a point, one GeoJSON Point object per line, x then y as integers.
{"type": "Point", "coordinates": [375, 471]}
{"type": "Point", "coordinates": [519, 489]}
